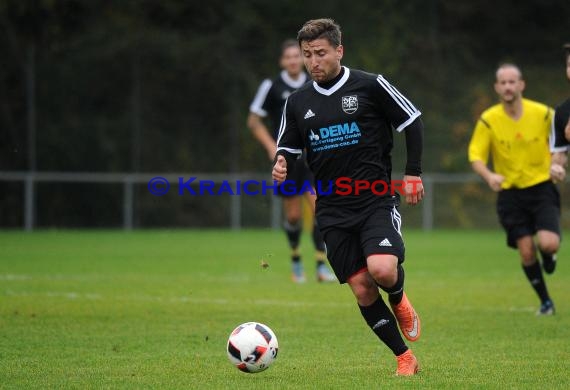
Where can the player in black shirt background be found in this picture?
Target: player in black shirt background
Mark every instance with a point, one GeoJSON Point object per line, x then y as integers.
{"type": "Point", "coordinates": [268, 103]}
{"type": "Point", "coordinates": [561, 124]}
{"type": "Point", "coordinates": [345, 119]}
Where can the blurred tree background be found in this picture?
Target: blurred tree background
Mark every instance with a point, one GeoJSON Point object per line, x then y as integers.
{"type": "Point", "coordinates": [164, 86]}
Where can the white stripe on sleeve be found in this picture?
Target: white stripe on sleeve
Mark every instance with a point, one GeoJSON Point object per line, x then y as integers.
{"type": "Point", "coordinates": [282, 130]}
{"type": "Point", "coordinates": [552, 138]}
{"type": "Point", "coordinates": [402, 101]}
{"type": "Point", "coordinates": [283, 122]}
{"type": "Point", "coordinates": [257, 105]}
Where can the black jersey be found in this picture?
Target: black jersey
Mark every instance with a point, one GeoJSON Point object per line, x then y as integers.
{"type": "Point", "coordinates": [347, 131]}
{"type": "Point", "coordinates": [271, 96]}
{"type": "Point", "coordinates": [558, 141]}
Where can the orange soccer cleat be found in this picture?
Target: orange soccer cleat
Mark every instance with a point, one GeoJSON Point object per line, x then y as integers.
{"type": "Point", "coordinates": [407, 364]}
{"type": "Point", "coordinates": [408, 319]}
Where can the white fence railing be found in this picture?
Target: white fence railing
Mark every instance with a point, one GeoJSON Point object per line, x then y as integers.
{"type": "Point", "coordinates": [129, 180]}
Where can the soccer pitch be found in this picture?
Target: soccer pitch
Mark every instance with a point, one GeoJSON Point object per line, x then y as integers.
{"type": "Point", "coordinates": [153, 309]}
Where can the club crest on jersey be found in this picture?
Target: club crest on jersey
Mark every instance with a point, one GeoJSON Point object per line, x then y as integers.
{"type": "Point", "coordinates": [350, 104]}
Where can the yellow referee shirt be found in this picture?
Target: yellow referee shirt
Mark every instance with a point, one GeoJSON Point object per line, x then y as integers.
{"type": "Point", "coordinates": [519, 148]}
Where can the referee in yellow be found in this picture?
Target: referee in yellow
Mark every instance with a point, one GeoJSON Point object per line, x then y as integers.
{"type": "Point", "coordinates": [516, 133]}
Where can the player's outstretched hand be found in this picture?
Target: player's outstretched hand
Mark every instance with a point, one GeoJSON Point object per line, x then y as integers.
{"type": "Point", "coordinates": [414, 189]}
{"type": "Point", "coordinates": [279, 172]}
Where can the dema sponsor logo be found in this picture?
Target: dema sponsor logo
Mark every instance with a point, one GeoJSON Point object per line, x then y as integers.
{"type": "Point", "coordinates": [338, 130]}
{"type": "Point", "coordinates": [334, 136]}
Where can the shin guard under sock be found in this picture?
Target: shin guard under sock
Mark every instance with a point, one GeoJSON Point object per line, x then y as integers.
{"type": "Point", "coordinates": [534, 275]}
{"type": "Point", "coordinates": [318, 240]}
{"type": "Point", "coordinates": [293, 234]}
{"type": "Point", "coordinates": [383, 323]}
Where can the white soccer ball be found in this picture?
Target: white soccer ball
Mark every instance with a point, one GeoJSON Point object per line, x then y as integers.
{"type": "Point", "coordinates": [252, 347]}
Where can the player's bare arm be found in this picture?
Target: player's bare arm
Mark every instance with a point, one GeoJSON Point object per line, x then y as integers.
{"type": "Point", "coordinates": [260, 132]}
{"type": "Point", "coordinates": [494, 180]}
{"type": "Point", "coordinates": [560, 158]}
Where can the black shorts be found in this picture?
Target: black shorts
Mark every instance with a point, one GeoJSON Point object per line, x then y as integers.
{"type": "Point", "coordinates": [377, 232]}
{"type": "Point", "coordinates": [522, 212]}
{"type": "Point", "coordinates": [298, 181]}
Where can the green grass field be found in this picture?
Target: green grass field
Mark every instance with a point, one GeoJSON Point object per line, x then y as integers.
{"type": "Point", "coordinates": [153, 309]}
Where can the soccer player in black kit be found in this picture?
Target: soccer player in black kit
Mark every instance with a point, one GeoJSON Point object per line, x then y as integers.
{"type": "Point", "coordinates": [345, 119]}
{"type": "Point", "coordinates": [561, 127]}
{"type": "Point", "coordinates": [268, 103]}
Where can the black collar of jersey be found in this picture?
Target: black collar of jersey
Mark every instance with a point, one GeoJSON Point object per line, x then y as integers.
{"type": "Point", "coordinates": [333, 85]}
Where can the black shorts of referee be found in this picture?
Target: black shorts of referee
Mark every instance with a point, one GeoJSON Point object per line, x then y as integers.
{"type": "Point", "coordinates": [524, 211]}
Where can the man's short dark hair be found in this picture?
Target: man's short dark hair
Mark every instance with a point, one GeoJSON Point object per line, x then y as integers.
{"type": "Point", "coordinates": [287, 44]}
{"type": "Point", "coordinates": [320, 29]}
{"type": "Point", "coordinates": [566, 48]}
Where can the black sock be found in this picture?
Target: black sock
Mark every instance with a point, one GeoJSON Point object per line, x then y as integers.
{"type": "Point", "coordinates": [534, 276]}
{"type": "Point", "coordinates": [383, 323]}
{"type": "Point", "coordinates": [396, 292]}
{"type": "Point", "coordinates": [546, 257]}
{"type": "Point", "coordinates": [318, 240]}
{"type": "Point", "coordinates": [295, 258]}
{"type": "Point", "coordinates": [548, 261]}
{"type": "Point", "coordinates": [293, 234]}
